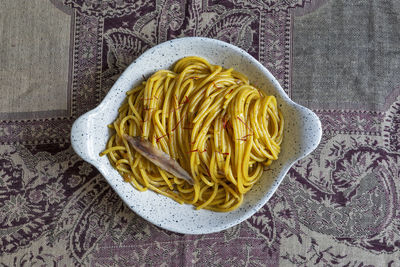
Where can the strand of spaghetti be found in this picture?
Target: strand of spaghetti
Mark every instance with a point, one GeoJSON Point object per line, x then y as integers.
{"type": "Point", "coordinates": [108, 150]}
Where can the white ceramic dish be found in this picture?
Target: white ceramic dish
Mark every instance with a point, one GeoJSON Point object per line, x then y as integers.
{"type": "Point", "coordinates": [89, 135]}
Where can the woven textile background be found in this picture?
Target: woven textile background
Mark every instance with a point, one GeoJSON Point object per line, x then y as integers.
{"type": "Point", "coordinates": [339, 206]}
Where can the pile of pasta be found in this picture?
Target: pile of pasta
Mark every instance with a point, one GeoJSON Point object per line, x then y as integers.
{"type": "Point", "coordinates": [222, 130]}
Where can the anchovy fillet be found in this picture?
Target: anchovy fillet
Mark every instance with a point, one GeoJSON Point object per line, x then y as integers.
{"type": "Point", "coordinates": [158, 157]}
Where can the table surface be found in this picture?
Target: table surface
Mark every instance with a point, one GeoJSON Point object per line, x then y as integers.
{"type": "Point", "coordinates": [338, 206]}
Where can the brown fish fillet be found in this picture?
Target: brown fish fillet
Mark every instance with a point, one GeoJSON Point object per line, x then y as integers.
{"type": "Point", "coordinates": [158, 157]}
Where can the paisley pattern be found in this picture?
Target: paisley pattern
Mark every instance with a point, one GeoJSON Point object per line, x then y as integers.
{"type": "Point", "coordinates": [357, 204]}
{"type": "Point", "coordinates": [105, 8]}
{"type": "Point", "coordinates": [338, 206]}
{"type": "Point", "coordinates": [391, 126]}
{"type": "Point", "coordinates": [272, 5]}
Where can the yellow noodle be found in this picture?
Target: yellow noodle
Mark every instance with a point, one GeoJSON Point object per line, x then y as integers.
{"type": "Point", "coordinates": [219, 127]}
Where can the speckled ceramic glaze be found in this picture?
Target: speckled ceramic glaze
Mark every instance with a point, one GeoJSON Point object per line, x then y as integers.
{"type": "Point", "coordinates": [89, 135]}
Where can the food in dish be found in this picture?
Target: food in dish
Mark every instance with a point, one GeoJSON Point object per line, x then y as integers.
{"type": "Point", "coordinates": [211, 121]}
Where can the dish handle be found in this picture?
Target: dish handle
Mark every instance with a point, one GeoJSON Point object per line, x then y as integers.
{"type": "Point", "coordinates": [81, 139]}
{"type": "Point", "coordinates": [313, 132]}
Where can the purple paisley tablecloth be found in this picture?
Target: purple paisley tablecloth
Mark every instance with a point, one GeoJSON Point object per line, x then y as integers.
{"type": "Point", "coordinates": [338, 206]}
